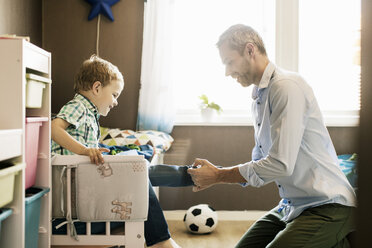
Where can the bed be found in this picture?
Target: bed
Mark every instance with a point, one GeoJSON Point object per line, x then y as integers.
{"type": "Point", "coordinates": [114, 193]}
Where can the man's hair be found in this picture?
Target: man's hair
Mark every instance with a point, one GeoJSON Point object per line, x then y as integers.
{"type": "Point", "coordinates": [239, 35]}
{"type": "Point", "coordinates": [96, 69]}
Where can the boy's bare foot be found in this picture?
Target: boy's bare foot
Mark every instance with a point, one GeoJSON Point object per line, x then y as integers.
{"type": "Point", "coordinates": [169, 243]}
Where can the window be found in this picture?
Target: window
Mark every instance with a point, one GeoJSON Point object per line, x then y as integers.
{"type": "Point", "coordinates": [329, 53]}
{"type": "Point", "coordinates": [333, 66]}
{"type": "Point", "coordinates": [198, 68]}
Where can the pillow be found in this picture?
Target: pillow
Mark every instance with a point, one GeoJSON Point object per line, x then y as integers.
{"type": "Point", "coordinates": [348, 164]}
{"type": "Point", "coordinates": [115, 137]}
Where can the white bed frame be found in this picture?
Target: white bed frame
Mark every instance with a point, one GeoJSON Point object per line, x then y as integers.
{"type": "Point", "coordinates": [133, 236]}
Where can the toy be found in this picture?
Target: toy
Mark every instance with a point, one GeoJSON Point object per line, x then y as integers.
{"type": "Point", "coordinates": [200, 219]}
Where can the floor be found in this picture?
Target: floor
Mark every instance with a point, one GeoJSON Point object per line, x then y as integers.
{"type": "Point", "coordinates": [231, 226]}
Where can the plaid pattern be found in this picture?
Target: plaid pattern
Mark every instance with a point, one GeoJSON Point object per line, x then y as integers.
{"type": "Point", "coordinates": [83, 117]}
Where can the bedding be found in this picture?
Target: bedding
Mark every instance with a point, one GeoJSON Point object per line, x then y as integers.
{"type": "Point", "coordinates": [145, 143]}
{"type": "Point", "coordinates": [116, 137]}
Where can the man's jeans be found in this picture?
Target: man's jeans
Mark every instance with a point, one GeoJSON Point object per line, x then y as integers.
{"type": "Point", "coordinates": [323, 226]}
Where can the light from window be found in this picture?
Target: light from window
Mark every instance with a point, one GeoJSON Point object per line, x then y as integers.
{"type": "Point", "coordinates": [197, 66]}
{"type": "Point", "coordinates": [329, 52]}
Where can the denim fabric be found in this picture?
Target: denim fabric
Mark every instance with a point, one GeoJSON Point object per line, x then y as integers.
{"type": "Point", "coordinates": [156, 227]}
{"type": "Point", "coordinates": [169, 176]}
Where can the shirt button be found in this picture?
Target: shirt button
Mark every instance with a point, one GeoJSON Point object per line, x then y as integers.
{"type": "Point", "coordinates": [260, 146]}
{"type": "Point", "coordinates": [258, 103]}
{"type": "Point", "coordinates": [279, 185]}
{"type": "Point", "coordinates": [259, 124]}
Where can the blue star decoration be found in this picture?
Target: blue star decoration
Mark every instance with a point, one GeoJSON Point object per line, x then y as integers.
{"type": "Point", "coordinates": [101, 7]}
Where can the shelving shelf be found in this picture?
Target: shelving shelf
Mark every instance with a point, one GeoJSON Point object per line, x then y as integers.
{"type": "Point", "coordinates": [19, 57]}
{"type": "Point", "coordinates": [11, 143]}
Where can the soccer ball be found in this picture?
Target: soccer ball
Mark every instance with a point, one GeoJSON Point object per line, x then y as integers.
{"type": "Point", "coordinates": [200, 219]}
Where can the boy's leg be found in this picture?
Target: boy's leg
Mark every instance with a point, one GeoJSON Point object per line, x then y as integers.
{"type": "Point", "coordinates": [263, 231]}
{"type": "Point", "coordinates": [156, 227]}
{"type": "Point", "coordinates": [169, 175]}
{"type": "Point", "coordinates": [323, 226]}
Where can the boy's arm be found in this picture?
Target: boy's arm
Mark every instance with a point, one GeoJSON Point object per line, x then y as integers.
{"type": "Point", "coordinates": [64, 139]}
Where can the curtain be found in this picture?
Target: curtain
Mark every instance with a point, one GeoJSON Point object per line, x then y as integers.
{"type": "Point", "coordinates": [156, 110]}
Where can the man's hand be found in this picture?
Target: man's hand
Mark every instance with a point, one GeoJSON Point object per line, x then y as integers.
{"type": "Point", "coordinates": [95, 154]}
{"type": "Point", "coordinates": [204, 174]}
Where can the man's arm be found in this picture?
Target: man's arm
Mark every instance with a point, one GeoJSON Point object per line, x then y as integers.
{"type": "Point", "coordinates": [205, 174]}
{"type": "Point", "coordinates": [60, 136]}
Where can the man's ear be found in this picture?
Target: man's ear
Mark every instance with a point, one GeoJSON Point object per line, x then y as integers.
{"type": "Point", "coordinates": [249, 49]}
{"type": "Point", "coordinates": [96, 87]}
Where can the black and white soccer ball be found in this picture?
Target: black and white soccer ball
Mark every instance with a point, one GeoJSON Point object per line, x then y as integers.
{"type": "Point", "coordinates": [200, 219]}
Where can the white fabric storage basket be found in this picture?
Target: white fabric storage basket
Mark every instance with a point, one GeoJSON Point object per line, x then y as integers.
{"type": "Point", "coordinates": [114, 191]}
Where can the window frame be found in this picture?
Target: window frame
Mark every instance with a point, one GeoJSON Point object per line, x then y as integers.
{"type": "Point", "coordinates": [287, 43]}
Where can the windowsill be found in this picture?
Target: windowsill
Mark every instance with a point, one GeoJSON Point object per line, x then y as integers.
{"type": "Point", "coordinates": [226, 118]}
{"type": "Point", "coordinates": [197, 121]}
{"type": "Point", "coordinates": [341, 120]}
{"type": "Point", "coordinates": [344, 119]}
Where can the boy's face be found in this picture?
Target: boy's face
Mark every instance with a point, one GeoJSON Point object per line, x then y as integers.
{"type": "Point", "coordinates": [106, 97]}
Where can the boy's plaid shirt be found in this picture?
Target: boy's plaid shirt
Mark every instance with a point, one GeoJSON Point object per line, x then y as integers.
{"type": "Point", "coordinates": [83, 117]}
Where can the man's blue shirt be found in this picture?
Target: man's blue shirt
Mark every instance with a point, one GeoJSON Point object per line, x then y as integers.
{"type": "Point", "coordinates": [293, 147]}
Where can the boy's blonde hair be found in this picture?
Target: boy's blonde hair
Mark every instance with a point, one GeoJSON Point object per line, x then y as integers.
{"type": "Point", "coordinates": [96, 69]}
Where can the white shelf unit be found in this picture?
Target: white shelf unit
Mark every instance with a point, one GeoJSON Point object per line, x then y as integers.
{"type": "Point", "coordinates": [18, 57]}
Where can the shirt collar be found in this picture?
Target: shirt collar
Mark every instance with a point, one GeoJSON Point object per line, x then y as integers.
{"type": "Point", "coordinates": [87, 103]}
{"type": "Point", "coordinates": [267, 75]}
{"type": "Point", "coordinates": [265, 80]}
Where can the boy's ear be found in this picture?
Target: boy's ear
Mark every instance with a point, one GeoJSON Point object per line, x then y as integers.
{"type": "Point", "coordinates": [96, 87]}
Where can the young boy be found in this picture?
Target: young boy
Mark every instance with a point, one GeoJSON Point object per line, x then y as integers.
{"type": "Point", "coordinates": [75, 130]}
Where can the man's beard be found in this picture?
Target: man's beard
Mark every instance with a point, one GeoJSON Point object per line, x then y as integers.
{"type": "Point", "coordinates": [244, 80]}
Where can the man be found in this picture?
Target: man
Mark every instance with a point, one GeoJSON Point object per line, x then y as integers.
{"type": "Point", "coordinates": [292, 149]}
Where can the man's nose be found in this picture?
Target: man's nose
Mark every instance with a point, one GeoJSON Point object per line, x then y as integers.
{"type": "Point", "coordinates": [227, 72]}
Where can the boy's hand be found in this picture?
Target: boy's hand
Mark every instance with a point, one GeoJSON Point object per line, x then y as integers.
{"type": "Point", "coordinates": [95, 154]}
{"type": "Point", "coordinates": [203, 173]}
